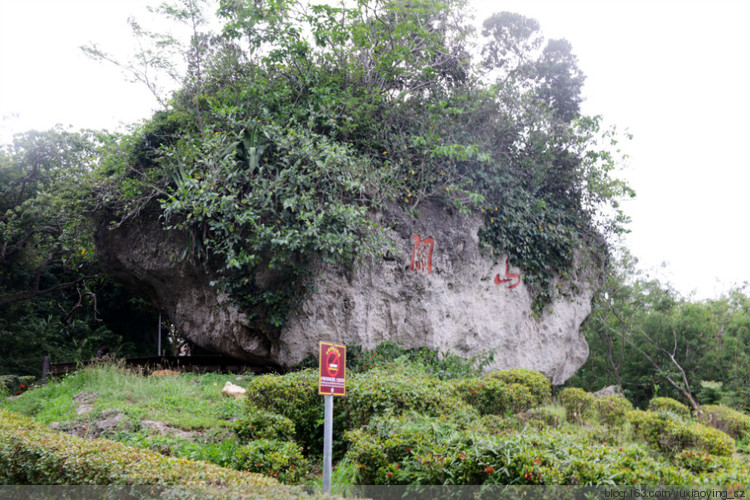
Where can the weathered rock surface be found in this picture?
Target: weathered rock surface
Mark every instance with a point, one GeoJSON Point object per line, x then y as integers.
{"type": "Point", "coordinates": [435, 289]}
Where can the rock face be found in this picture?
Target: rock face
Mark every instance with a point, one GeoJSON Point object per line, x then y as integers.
{"type": "Point", "coordinates": [433, 289]}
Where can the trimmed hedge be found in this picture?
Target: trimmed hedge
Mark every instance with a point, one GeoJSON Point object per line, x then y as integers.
{"type": "Point", "coordinates": [279, 459]}
{"type": "Point", "coordinates": [612, 410]}
{"type": "Point", "coordinates": [494, 397]}
{"type": "Point", "coordinates": [30, 453]}
{"type": "Point", "coordinates": [537, 383]}
{"type": "Point", "coordinates": [375, 392]}
{"type": "Point", "coordinates": [576, 402]}
{"type": "Point", "coordinates": [262, 424]}
{"type": "Point", "coordinates": [672, 435]}
{"type": "Point", "coordinates": [668, 404]}
{"type": "Point", "coordinates": [733, 422]}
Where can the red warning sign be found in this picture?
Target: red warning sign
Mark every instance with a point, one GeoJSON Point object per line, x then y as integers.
{"type": "Point", "coordinates": [332, 370]}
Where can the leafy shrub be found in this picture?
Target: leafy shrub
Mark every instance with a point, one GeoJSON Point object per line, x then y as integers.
{"type": "Point", "coordinates": [432, 362]}
{"type": "Point", "coordinates": [698, 461]}
{"type": "Point", "coordinates": [612, 410]}
{"type": "Point", "coordinates": [375, 392]}
{"type": "Point", "coordinates": [279, 459]}
{"type": "Point", "coordinates": [220, 453]}
{"type": "Point", "coordinates": [538, 384]}
{"type": "Point", "coordinates": [491, 396]}
{"type": "Point", "coordinates": [294, 396]}
{"type": "Point", "coordinates": [672, 435]}
{"type": "Point", "coordinates": [413, 449]}
{"type": "Point", "coordinates": [733, 422]}
{"type": "Point", "coordinates": [9, 385]}
{"type": "Point", "coordinates": [30, 453]}
{"type": "Point", "coordinates": [263, 424]}
{"type": "Point", "coordinates": [380, 391]}
{"type": "Point", "coordinates": [543, 416]}
{"type": "Point", "coordinates": [576, 402]}
{"type": "Point", "coordinates": [668, 404]}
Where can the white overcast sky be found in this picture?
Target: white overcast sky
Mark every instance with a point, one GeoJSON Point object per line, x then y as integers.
{"type": "Point", "coordinates": [675, 73]}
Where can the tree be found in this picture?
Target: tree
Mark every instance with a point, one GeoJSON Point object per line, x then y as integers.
{"type": "Point", "coordinates": [45, 231]}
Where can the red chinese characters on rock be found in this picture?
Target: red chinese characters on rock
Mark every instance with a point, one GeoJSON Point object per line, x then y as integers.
{"type": "Point", "coordinates": [509, 278]}
{"type": "Point", "coordinates": [421, 254]}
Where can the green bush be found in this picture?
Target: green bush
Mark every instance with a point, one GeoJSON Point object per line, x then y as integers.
{"type": "Point", "coordinates": [538, 384]}
{"type": "Point", "coordinates": [382, 391]}
{"type": "Point", "coordinates": [733, 422]}
{"type": "Point", "coordinates": [493, 397]}
{"type": "Point", "coordinates": [10, 385]}
{"type": "Point", "coordinates": [672, 435]}
{"type": "Point", "coordinates": [413, 449]}
{"type": "Point", "coordinates": [279, 459]}
{"type": "Point", "coordinates": [374, 392]}
{"type": "Point", "coordinates": [294, 396]}
{"type": "Point", "coordinates": [30, 453]}
{"type": "Point", "coordinates": [668, 404]}
{"type": "Point", "coordinates": [543, 416]}
{"type": "Point", "coordinates": [576, 402]}
{"type": "Point", "coordinates": [612, 410]}
{"type": "Point", "coordinates": [263, 424]}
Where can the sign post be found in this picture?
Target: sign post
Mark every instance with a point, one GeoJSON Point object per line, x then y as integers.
{"type": "Point", "coordinates": [332, 382]}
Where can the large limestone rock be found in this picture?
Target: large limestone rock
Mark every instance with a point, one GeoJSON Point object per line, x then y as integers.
{"type": "Point", "coordinates": [435, 289]}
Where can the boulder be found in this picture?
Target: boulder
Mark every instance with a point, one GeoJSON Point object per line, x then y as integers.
{"type": "Point", "coordinates": [233, 390]}
{"type": "Point", "coordinates": [434, 288]}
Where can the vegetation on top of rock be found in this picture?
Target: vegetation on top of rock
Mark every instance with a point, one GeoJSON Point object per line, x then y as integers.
{"type": "Point", "coordinates": [296, 123]}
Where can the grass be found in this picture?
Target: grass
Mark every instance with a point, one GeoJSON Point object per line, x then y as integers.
{"type": "Point", "coordinates": [187, 401]}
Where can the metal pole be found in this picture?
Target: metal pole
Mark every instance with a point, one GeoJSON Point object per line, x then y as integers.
{"type": "Point", "coordinates": [45, 370]}
{"type": "Point", "coordinates": [158, 348]}
{"type": "Point", "coordinates": [327, 444]}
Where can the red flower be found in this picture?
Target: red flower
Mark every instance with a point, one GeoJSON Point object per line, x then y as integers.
{"type": "Point", "coordinates": [23, 386]}
{"type": "Point", "coordinates": [529, 476]}
{"type": "Point", "coordinates": [620, 449]}
{"type": "Point", "coordinates": [389, 475]}
{"type": "Point", "coordinates": [537, 461]}
{"type": "Point", "coordinates": [489, 469]}
{"type": "Point", "coordinates": [462, 456]}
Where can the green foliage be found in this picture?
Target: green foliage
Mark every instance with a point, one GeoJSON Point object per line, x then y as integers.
{"type": "Point", "coordinates": [643, 337]}
{"type": "Point", "coordinates": [414, 449]}
{"type": "Point", "coordinates": [219, 453]}
{"type": "Point", "coordinates": [32, 454]}
{"type": "Point", "coordinates": [492, 396]}
{"type": "Point", "coordinates": [278, 459]}
{"type": "Point", "coordinates": [375, 392]}
{"type": "Point", "coordinates": [576, 402]}
{"type": "Point", "coordinates": [295, 397]}
{"type": "Point", "coordinates": [671, 434]}
{"type": "Point", "coordinates": [262, 424]}
{"type": "Point", "coordinates": [538, 384]}
{"type": "Point", "coordinates": [668, 404]}
{"type": "Point", "coordinates": [733, 422]}
{"type": "Point", "coordinates": [544, 417]}
{"type": "Point", "coordinates": [612, 410]}
{"type": "Point", "coordinates": [433, 363]}
{"type": "Point", "coordinates": [295, 124]}
{"type": "Point", "coordinates": [380, 391]}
